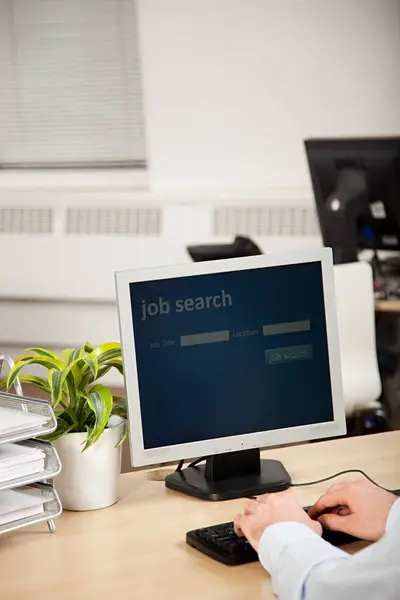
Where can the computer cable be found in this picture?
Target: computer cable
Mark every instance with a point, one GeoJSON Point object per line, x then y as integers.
{"type": "Point", "coordinates": [198, 461]}
{"type": "Point", "coordinates": [345, 472]}
{"type": "Point", "coordinates": [306, 483]}
{"type": "Point", "coordinates": [192, 464]}
{"type": "Point", "coordinates": [180, 466]}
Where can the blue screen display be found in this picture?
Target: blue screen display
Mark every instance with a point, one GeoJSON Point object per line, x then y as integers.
{"type": "Point", "coordinates": [231, 353]}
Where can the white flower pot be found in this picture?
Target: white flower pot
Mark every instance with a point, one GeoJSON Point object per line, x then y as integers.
{"type": "Point", "coordinates": [89, 479]}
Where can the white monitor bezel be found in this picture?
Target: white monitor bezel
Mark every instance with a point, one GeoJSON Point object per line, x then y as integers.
{"type": "Point", "coordinates": [141, 456]}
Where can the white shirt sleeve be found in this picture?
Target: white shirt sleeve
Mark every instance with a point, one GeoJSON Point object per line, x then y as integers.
{"type": "Point", "coordinates": [394, 515]}
{"type": "Point", "coordinates": [305, 567]}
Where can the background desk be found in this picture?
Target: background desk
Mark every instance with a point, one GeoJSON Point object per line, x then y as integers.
{"type": "Point", "coordinates": [136, 549]}
{"type": "Point", "coordinates": [392, 306]}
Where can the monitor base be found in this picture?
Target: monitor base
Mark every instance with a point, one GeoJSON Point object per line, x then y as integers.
{"type": "Point", "coordinates": [196, 481]}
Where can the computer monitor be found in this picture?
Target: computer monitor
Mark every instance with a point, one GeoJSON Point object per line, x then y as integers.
{"type": "Point", "coordinates": [356, 186]}
{"type": "Point", "coordinates": [224, 358]}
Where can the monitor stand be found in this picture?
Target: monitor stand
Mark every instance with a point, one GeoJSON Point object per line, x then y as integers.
{"type": "Point", "coordinates": [233, 475]}
{"type": "Point", "coordinates": [341, 212]}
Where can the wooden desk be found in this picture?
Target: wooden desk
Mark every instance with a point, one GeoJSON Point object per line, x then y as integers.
{"type": "Point", "coordinates": [387, 306]}
{"type": "Point", "coordinates": [136, 549]}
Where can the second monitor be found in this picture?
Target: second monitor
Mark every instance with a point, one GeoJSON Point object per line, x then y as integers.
{"type": "Point", "coordinates": [356, 183]}
{"type": "Point", "coordinates": [224, 358]}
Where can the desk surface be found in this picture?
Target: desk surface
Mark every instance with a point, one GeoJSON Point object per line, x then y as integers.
{"type": "Point", "coordinates": [392, 306]}
{"type": "Point", "coordinates": [136, 549]}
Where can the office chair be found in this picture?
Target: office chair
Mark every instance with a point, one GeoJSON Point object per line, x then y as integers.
{"type": "Point", "coordinates": [241, 246]}
{"type": "Point", "coordinates": [356, 322]}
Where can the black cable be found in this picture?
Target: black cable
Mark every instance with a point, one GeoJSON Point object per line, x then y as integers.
{"type": "Point", "coordinates": [197, 461]}
{"type": "Point", "coordinates": [180, 465]}
{"type": "Point", "coordinates": [192, 464]}
{"type": "Point", "coordinates": [338, 475]}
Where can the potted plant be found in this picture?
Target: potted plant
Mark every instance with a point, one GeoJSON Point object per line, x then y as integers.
{"type": "Point", "coordinates": [90, 423]}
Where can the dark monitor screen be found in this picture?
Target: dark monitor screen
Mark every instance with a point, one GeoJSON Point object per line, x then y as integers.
{"type": "Point", "coordinates": [377, 223]}
{"type": "Point", "coordinates": [231, 353]}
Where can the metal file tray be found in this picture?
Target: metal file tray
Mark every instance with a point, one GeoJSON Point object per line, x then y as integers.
{"type": "Point", "coordinates": [30, 405]}
{"type": "Point", "coordinates": [51, 507]}
{"type": "Point", "coordinates": [52, 466]}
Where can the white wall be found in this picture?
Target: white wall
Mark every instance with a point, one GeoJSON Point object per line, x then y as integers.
{"type": "Point", "coordinates": [232, 87]}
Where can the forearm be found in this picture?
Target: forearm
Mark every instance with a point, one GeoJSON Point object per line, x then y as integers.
{"type": "Point", "coordinates": [371, 573]}
{"type": "Point", "coordinates": [289, 552]}
{"type": "Point", "coordinates": [305, 567]}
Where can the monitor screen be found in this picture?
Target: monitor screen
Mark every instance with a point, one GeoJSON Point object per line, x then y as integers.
{"type": "Point", "coordinates": [230, 353]}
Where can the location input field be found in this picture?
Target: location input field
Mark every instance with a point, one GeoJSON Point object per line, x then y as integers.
{"type": "Point", "coordinates": [211, 337]}
{"type": "Point", "coordinates": [290, 327]}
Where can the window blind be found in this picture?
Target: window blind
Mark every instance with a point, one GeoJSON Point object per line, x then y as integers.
{"type": "Point", "coordinates": [70, 92]}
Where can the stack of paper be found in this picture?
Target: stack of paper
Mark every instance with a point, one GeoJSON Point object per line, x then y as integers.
{"type": "Point", "coordinates": [18, 460]}
{"type": "Point", "coordinates": [16, 505]}
{"type": "Point", "coordinates": [17, 421]}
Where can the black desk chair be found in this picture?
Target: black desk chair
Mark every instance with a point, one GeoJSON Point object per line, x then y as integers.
{"type": "Point", "coordinates": [241, 246]}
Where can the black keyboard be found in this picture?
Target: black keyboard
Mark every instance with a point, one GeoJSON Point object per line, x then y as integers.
{"type": "Point", "coordinates": [221, 543]}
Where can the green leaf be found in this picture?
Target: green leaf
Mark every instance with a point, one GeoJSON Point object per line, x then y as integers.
{"type": "Point", "coordinates": [84, 413]}
{"type": "Point", "coordinates": [74, 373]}
{"type": "Point", "coordinates": [108, 355]}
{"type": "Point", "coordinates": [88, 347]}
{"type": "Point", "coordinates": [18, 366]}
{"type": "Point", "coordinates": [3, 384]}
{"type": "Point", "coordinates": [36, 360]}
{"type": "Point", "coordinates": [13, 374]}
{"type": "Point", "coordinates": [123, 438]}
{"type": "Point", "coordinates": [116, 364]}
{"type": "Point", "coordinates": [100, 401]}
{"type": "Point", "coordinates": [74, 360]}
{"type": "Point", "coordinates": [90, 420]}
{"type": "Point", "coordinates": [70, 355]}
{"type": "Point", "coordinates": [82, 350]}
{"type": "Point", "coordinates": [63, 427]}
{"type": "Point", "coordinates": [47, 354]}
{"type": "Point", "coordinates": [88, 377]}
{"type": "Point", "coordinates": [93, 366]}
{"type": "Point", "coordinates": [56, 379]}
{"type": "Point", "coordinates": [65, 355]}
{"type": "Point", "coordinates": [35, 381]}
{"type": "Point", "coordinates": [103, 371]}
{"type": "Point", "coordinates": [24, 358]}
{"type": "Point", "coordinates": [63, 414]}
{"type": "Point", "coordinates": [71, 389]}
{"type": "Point", "coordinates": [120, 406]}
{"type": "Point", "coordinates": [45, 362]}
{"type": "Point", "coordinates": [80, 407]}
{"type": "Point", "coordinates": [106, 352]}
{"type": "Point", "coordinates": [86, 380]}
{"type": "Point", "coordinates": [105, 347]}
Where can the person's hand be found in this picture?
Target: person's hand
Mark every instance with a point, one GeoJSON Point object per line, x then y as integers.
{"type": "Point", "coordinates": [267, 510]}
{"type": "Point", "coordinates": [359, 508]}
